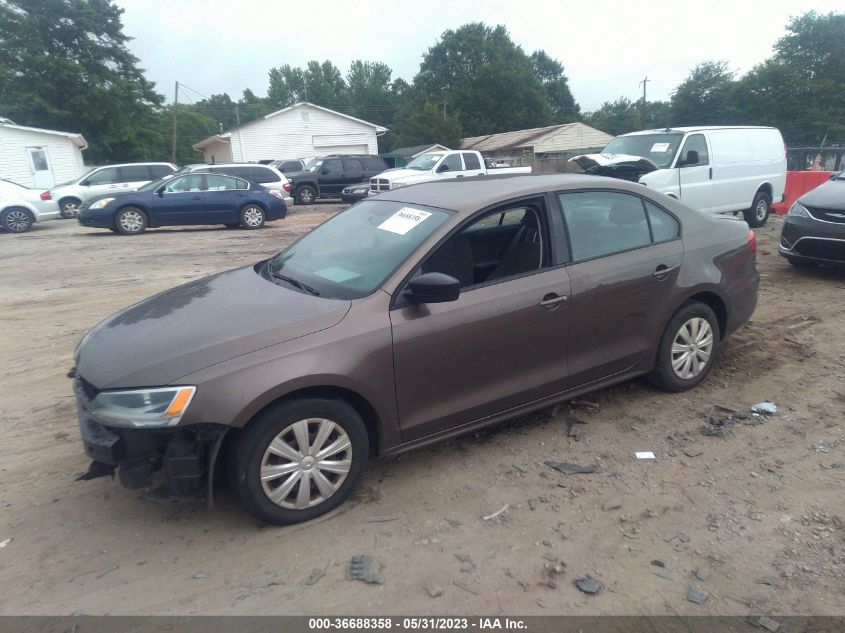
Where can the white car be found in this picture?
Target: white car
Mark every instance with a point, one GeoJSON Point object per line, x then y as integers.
{"type": "Point", "coordinates": [109, 179]}
{"type": "Point", "coordinates": [265, 175]}
{"type": "Point", "coordinates": [21, 207]}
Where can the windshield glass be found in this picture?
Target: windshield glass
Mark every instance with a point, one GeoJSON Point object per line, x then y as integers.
{"type": "Point", "coordinates": [660, 149]}
{"type": "Point", "coordinates": [313, 164]}
{"type": "Point", "coordinates": [352, 254]}
{"type": "Point", "coordinates": [424, 162]}
{"type": "Point", "coordinates": [152, 186]}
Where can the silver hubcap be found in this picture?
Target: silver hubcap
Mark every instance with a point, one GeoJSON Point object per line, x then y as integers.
{"type": "Point", "coordinates": [761, 209]}
{"type": "Point", "coordinates": [131, 221]}
{"type": "Point", "coordinates": [17, 221]}
{"type": "Point", "coordinates": [253, 216]}
{"type": "Point", "coordinates": [692, 348]}
{"type": "Point", "coordinates": [70, 207]}
{"type": "Point", "coordinates": [306, 463]}
{"type": "Point", "coordinates": [306, 195]}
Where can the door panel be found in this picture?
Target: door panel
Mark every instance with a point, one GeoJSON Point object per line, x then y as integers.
{"type": "Point", "coordinates": [181, 199]}
{"type": "Point", "coordinates": [696, 180]}
{"type": "Point", "coordinates": [492, 349]}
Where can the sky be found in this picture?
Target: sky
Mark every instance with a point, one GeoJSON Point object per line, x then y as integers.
{"type": "Point", "coordinates": [606, 47]}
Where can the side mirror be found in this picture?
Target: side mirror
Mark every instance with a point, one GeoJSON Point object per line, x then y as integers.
{"type": "Point", "coordinates": [433, 288]}
{"type": "Point", "coordinates": [325, 171]}
{"type": "Point", "coordinates": [84, 183]}
{"type": "Point", "coordinates": [691, 158]}
{"type": "Point", "coordinates": [443, 167]}
{"type": "Point", "coordinates": [160, 191]}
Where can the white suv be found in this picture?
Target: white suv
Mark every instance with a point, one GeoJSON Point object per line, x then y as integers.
{"type": "Point", "coordinates": [109, 179]}
{"type": "Point", "coordinates": [265, 175]}
{"type": "Point", "coordinates": [21, 207]}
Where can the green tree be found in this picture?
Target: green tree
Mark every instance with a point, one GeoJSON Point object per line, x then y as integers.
{"type": "Point", "coordinates": [616, 117]}
{"type": "Point", "coordinates": [64, 64]}
{"type": "Point", "coordinates": [484, 80]}
{"type": "Point", "coordinates": [706, 96]}
{"type": "Point", "coordinates": [194, 126]}
{"type": "Point", "coordinates": [321, 84]}
{"type": "Point", "coordinates": [370, 95]}
{"type": "Point", "coordinates": [424, 122]}
{"type": "Point", "coordinates": [251, 107]}
{"type": "Point", "coordinates": [221, 108]}
{"type": "Point", "coordinates": [550, 73]}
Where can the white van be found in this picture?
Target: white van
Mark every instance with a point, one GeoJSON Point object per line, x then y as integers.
{"type": "Point", "coordinates": [713, 169]}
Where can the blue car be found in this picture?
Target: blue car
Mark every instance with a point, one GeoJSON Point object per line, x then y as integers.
{"type": "Point", "coordinates": [195, 198]}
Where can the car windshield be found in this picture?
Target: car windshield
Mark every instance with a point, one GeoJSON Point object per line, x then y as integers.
{"type": "Point", "coordinates": [313, 164]}
{"type": "Point", "coordinates": [840, 176]}
{"type": "Point", "coordinates": [660, 149]}
{"type": "Point", "coordinates": [424, 162]}
{"type": "Point", "coordinates": [352, 254]}
{"type": "Point", "coordinates": [153, 185]}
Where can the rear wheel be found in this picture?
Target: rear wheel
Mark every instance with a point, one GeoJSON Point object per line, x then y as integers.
{"type": "Point", "coordinates": [68, 207]}
{"type": "Point", "coordinates": [688, 348]}
{"type": "Point", "coordinates": [300, 459]}
{"type": "Point", "coordinates": [306, 194]}
{"type": "Point", "coordinates": [130, 221]}
{"type": "Point", "coordinates": [757, 215]}
{"type": "Point", "coordinates": [16, 220]}
{"type": "Point", "coordinates": [252, 217]}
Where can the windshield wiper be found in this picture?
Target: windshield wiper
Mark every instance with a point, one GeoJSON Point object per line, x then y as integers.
{"type": "Point", "coordinates": [297, 284]}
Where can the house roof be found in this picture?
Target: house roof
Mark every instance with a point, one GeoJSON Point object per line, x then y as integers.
{"type": "Point", "coordinates": [554, 138]}
{"type": "Point", "coordinates": [225, 136]}
{"type": "Point", "coordinates": [416, 150]}
{"type": "Point", "coordinates": [77, 139]}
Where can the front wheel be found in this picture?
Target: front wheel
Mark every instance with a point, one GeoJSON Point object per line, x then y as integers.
{"type": "Point", "coordinates": [300, 459]}
{"type": "Point", "coordinates": [68, 207]}
{"type": "Point", "coordinates": [130, 221]}
{"type": "Point", "coordinates": [306, 194]}
{"type": "Point", "coordinates": [16, 220]}
{"type": "Point", "coordinates": [757, 215]}
{"type": "Point", "coordinates": [688, 348]}
{"type": "Point", "coordinates": [252, 217]}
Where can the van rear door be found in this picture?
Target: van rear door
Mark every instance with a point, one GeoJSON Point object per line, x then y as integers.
{"type": "Point", "coordinates": [695, 173]}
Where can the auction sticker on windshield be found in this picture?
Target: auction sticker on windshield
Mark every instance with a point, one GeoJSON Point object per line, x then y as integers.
{"type": "Point", "coordinates": [659, 148]}
{"type": "Point", "coordinates": [404, 220]}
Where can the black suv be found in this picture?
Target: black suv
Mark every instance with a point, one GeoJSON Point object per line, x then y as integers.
{"type": "Point", "coordinates": [327, 176]}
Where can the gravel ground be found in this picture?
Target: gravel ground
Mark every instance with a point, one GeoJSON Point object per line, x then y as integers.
{"type": "Point", "coordinates": [751, 522]}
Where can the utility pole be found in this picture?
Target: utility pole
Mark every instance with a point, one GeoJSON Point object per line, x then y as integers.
{"type": "Point", "coordinates": [175, 105]}
{"type": "Point", "coordinates": [642, 109]}
{"type": "Point", "coordinates": [444, 108]}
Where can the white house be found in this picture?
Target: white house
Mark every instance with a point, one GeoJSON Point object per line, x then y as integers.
{"type": "Point", "coordinates": [39, 158]}
{"type": "Point", "coordinates": [298, 131]}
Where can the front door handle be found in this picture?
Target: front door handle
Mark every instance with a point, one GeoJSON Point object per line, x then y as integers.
{"type": "Point", "coordinates": [197, 198]}
{"type": "Point", "coordinates": [552, 301]}
{"type": "Point", "coordinates": [663, 270]}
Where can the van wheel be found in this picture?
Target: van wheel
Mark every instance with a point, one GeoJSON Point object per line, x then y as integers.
{"type": "Point", "coordinates": [306, 194]}
{"type": "Point", "coordinates": [688, 348]}
{"type": "Point", "coordinates": [757, 215]}
{"type": "Point", "coordinates": [300, 459]}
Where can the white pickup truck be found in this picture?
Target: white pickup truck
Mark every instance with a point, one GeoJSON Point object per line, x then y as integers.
{"type": "Point", "coordinates": [438, 166]}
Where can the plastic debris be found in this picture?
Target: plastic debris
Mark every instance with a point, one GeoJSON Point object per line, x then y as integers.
{"type": "Point", "coordinates": [570, 469]}
{"type": "Point", "coordinates": [366, 569]}
{"type": "Point", "coordinates": [497, 513]}
{"type": "Point", "coordinates": [644, 455]}
{"type": "Point", "coordinates": [764, 408]}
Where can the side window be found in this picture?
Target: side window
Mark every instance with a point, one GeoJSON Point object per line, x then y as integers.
{"type": "Point", "coordinates": [474, 261]}
{"type": "Point", "coordinates": [159, 171]}
{"type": "Point", "coordinates": [352, 164]}
{"type": "Point", "coordinates": [105, 176]}
{"type": "Point", "coordinates": [261, 175]}
{"type": "Point", "coordinates": [134, 173]}
{"type": "Point", "coordinates": [190, 182]}
{"type": "Point", "coordinates": [220, 183]}
{"type": "Point", "coordinates": [695, 143]}
{"type": "Point", "coordinates": [291, 165]}
{"type": "Point", "coordinates": [374, 164]}
{"type": "Point", "coordinates": [471, 161]}
{"type": "Point", "coordinates": [453, 162]}
{"type": "Point", "coordinates": [603, 222]}
{"type": "Point", "coordinates": [241, 184]}
{"type": "Point", "coordinates": [333, 166]}
{"type": "Point", "coordinates": [663, 226]}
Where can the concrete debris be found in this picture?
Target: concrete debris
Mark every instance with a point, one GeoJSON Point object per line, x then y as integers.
{"type": "Point", "coordinates": [611, 505]}
{"type": "Point", "coordinates": [589, 585]}
{"type": "Point", "coordinates": [199, 575]}
{"type": "Point", "coordinates": [461, 585]}
{"type": "Point", "coordinates": [696, 595]}
{"type": "Point", "coordinates": [662, 572]}
{"type": "Point", "coordinates": [434, 591]}
{"type": "Point", "coordinates": [764, 408]}
{"type": "Point", "coordinates": [366, 569]}
{"type": "Point", "coordinates": [314, 576]}
{"type": "Point", "coordinates": [571, 469]}
{"type": "Point", "coordinates": [703, 573]}
{"type": "Point", "coordinates": [821, 447]}
{"type": "Point", "coordinates": [767, 623]}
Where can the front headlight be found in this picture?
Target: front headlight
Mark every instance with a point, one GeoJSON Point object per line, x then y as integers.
{"type": "Point", "coordinates": [798, 209]}
{"type": "Point", "coordinates": [142, 408]}
{"type": "Point", "coordinates": [101, 204]}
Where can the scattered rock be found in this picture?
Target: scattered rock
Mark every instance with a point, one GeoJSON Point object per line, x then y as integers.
{"type": "Point", "coordinates": [669, 537]}
{"type": "Point", "coordinates": [696, 595]}
{"type": "Point", "coordinates": [589, 585]}
{"type": "Point", "coordinates": [314, 576]}
{"type": "Point", "coordinates": [199, 575]}
{"type": "Point", "coordinates": [821, 447]}
{"type": "Point", "coordinates": [550, 557]}
{"type": "Point", "coordinates": [658, 563]}
{"type": "Point", "coordinates": [547, 542]}
{"type": "Point", "coordinates": [520, 468]}
{"type": "Point", "coordinates": [467, 568]}
{"type": "Point", "coordinates": [611, 505]}
{"type": "Point", "coordinates": [662, 572]}
{"type": "Point", "coordinates": [364, 568]}
{"type": "Point", "coordinates": [571, 469]}
{"type": "Point", "coordinates": [379, 519]}
{"type": "Point", "coordinates": [435, 591]}
{"type": "Point", "coordinates": [703, 573]}
{"type": "Point", "coordinates": [464, 558]}
{"type": "Point", "coordinates": [683, 538]}
{"type": "Point", "coordinates": [767, 623]}
{"type": "Point", "coordinates": [532, 504]}
{"type": "Point", "coordinates": [463, 586]}
{"type": "Point", "coordinates": [692, 452]}
{"type": "Point", "coordinates": [551, 583]}
{"type": "Point", "coordinates": [764, 408]}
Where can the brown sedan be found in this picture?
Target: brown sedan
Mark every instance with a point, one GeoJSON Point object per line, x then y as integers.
{"type": "Point", "coordinates": [415, 315]}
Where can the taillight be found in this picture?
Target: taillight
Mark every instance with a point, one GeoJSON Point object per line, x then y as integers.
{"type": "Point", "coordinates": [46, 195]}
{"type": "Point", "coordinates": [752, 241]}
{"type": "Point", "coordinates": [286, 187]}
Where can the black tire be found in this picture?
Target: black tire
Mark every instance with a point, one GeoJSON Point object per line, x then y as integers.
{"type": "Point", "coordinates": [306, 194]}
{"type": "Point", "coordinates": [800, 263]}
{"type": "Point", "coordinates": [130, 221]}
{"type": "Point", "coordinates": [664, 375]}
{"type": "Point", "coordinates": [251, 451]}
{"type": "Point", "coordinates": [253, 216]}
{"type": "Point", "coordinates": [16, 220]}
{"type": "Point", "coordinates": [758, 214]}
{"type": "Point", "coordinates": [68, 207]}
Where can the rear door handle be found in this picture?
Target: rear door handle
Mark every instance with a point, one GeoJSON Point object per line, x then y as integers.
{"type": "Point", "coordinates": [663, 270]}
{"type": "Point", "coordinates": [197, 198]}
{"type": "Point", "coordinates": [552, 301]}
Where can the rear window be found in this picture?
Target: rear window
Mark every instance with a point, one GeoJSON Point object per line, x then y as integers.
{"type": "Point", "coordinates": [374, 163]}
{"type": "Point", "coordinates": [257, 174]}
{"type": "Point", "coordinates": [135, 173]}
{"type": "Point", "coordinates": [352, 164]}
{"type": "Point", "coordinates": [158, 171]}
{"type": "Point", "coordinates": [471, 161]}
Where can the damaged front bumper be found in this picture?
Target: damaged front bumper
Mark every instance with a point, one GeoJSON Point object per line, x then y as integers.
{"type": "Point", "coordinates": [180, 458]}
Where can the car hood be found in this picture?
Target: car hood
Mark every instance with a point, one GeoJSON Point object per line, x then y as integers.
{"type": "Point", "coordinates": [405, 175]}
{"type": "Point", "coordinates": [161, 339]}
{"type": "Point", "coordinates": [828, 195]}
{"type": "Point", "coordinates": [589, 162]}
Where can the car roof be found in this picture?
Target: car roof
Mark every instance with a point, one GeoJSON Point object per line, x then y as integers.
{"type": "Point", "coordinates": [698, 128]}
{"type": "Point", "coordinates": [466, 195]}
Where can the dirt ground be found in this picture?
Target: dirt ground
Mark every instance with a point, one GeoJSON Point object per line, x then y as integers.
{"type": "Point", "coordinates": [760, 509]}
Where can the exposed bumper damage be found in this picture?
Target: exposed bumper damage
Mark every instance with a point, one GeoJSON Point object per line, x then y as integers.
{"type": "Point", "coordinates": [620, 166]}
